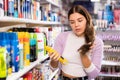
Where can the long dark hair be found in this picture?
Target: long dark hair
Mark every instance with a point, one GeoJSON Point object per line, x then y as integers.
{"type": "Point", "coordinates": [89, 30]}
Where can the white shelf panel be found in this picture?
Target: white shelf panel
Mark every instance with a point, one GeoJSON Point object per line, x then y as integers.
{"type": "Point", "coordinates": [50, 2]}
{"type": "Point", "coordinates": [53, 3]}
{"type": "Point", "coordinates": [109, 75]}
{"type": "Point", "coordinates": [26, 21]}
{"type": "Point", "coordinates": [15, 76]}
{"type": "Point", "coordinates": [110, 63]}
{"type": "Point", "coordinates": [53, 74]}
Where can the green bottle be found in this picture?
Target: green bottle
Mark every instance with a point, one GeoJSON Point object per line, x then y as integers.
{"type": "Point", "coordinates": [45, 43]}
{"type": "Point", "coordinates": [3, 66]}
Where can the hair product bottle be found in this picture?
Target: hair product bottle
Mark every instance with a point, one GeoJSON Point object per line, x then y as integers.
{"type": "Point", "coordinates": [20, 38]}
{"type": "Point", "coordinates": [26, 49]}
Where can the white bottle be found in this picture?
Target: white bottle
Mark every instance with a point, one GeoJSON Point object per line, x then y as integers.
{"type": "Point", "coordinates": [40, 45]}
{"type": "Point", "coordinates": [1, 8]}
{"type": "Point", "coordinates": [38, 12]}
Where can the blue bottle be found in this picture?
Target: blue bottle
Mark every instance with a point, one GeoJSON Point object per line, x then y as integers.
{"type": "Point", "coordinates": [14, 51]}
{"type": "Point", "coordinates": [16, 8]}
{"type": "Point", "coordinates": [3, 65]}
{"type": "Point", "coordinates": [8, 55]}
{"type": "Point", "coordinates": [11, 8]}
{"type": "Point", "coordinates": [28, 9]}
{"type": "Point", "coordinates": [108, 14]}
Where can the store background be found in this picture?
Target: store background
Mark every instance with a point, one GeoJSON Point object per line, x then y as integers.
{"type": "Point", "coordinates": [36, 23]}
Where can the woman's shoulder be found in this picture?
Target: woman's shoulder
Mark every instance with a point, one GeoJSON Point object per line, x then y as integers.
{"type": "Point", "coordinates": [98, 40]}
{"type": "Point", "coordinates": [64, 34]}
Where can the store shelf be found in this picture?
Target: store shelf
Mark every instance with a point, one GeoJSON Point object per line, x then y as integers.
{"type": "Point", "coordinates": [14, 21]}
{"type": "Point", "coordinates": [15, 76]}
{"type": "Point", "coordinates": [110, 63]}
{"type": "Point", "coordinates": [109, 75]}
{"type": "Point", "coordinates": [53, 74]}
{"type": "Point", "coordinates": [50, 2]}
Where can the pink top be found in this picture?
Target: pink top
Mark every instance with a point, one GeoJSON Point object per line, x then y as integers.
{"type": "Point", "coordinates": [96, 57]}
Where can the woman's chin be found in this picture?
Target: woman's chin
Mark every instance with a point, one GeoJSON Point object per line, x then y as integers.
{"type": "Point", "coordinates": [79, 34]}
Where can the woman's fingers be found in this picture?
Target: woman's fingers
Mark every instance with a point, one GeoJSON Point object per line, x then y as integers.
{"type": "Point", "coordinates": [54, 56]}
{"type": "Point", "coordinates": [93, 45]}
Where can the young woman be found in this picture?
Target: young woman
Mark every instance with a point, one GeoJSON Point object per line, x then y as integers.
{"type": "Point", "coordinates": [81, 47]}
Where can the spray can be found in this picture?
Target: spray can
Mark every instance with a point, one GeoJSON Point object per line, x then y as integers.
{"type": "Point", "coordinates": [35, 46]}
{"type": "Point", "coordinates": [40, 45]}
{"type": "Point", "coordinates": [8, 55]}
{"type": "Point", "coordinates": [20, 3]}
{"type": "Point", "coordinates": [28, 8]}
{"type": "Point", "coordinates": [11, 8]}
{"type": "Point", "coordinates": [5, 7]}
{"type": "Point", "coordinates": [33, 55]}
{"type": "Point", "coordinates": [50, 42]}
{"type": "Point", "coordinates": [34, 10]}
{"type": "Point", "coordinates": [38, 11]}
{"type": "Point", "coordinates": [23, 9]}
{"type": "Point", "coordinates": [26, 49]}
{"type": "Point", "coordinates": [1, 8]}
{"type": "Point", "coordinates": [3, 66]}
{"type": "Point", "coordinates": [14, 51]}
{"type": "Point", "coordinates": [16, 8]}
{"type": "Point", "coordinates": [45, 43]}
{"type": "Point", "coordinates": [20, 38]}
{"type": "Point", "coordinates": [32, 47]}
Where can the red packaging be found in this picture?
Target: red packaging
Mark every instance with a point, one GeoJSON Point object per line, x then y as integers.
{"type": "Point", "coordinates": [117, 16]}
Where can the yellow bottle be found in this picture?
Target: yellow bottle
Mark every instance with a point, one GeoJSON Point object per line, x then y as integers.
{"type": "Point", "coordinates": [51, 50]}
{"type": "Point", "coordinates": [3, 66]}
{"type": "Point", "coordinates": [26, 49]}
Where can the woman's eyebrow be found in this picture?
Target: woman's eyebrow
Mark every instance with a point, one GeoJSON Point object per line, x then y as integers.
{"type": "Point", "coordinates": [80, 18]}
{"type": "Point", "coordinates": [77, 19]}
{"type": "Point", "coordinates": [71, 20]}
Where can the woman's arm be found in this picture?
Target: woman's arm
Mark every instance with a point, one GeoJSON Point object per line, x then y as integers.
{"type": "Point", "coordinates": [85, 61]}
{"type": "Point", "coordinates": [58, 46]}
{"type": "Point", "coordinates": [93, 66]}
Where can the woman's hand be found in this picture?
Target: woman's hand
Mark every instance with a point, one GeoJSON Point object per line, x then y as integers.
{"type": "Point", "coordinates": [85, 59]}
{"type": "Point", "coordinates": [91, 47]}
{"type": "Point", "coordinates": [54, 56]}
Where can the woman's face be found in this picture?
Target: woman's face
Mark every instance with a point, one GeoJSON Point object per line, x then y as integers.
{"type": "Point", "coordinates": [77, 23]}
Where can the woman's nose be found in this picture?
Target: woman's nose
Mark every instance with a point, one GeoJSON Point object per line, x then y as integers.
{"type": "Point", "coordinates": [76, 23]}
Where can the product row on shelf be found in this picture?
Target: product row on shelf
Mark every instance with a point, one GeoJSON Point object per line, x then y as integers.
{"type": "Point", "coordinates": [111, 57]}
{"type": "Point", "coordinates": [112, 63]}
{"type": "Point", "coordinates": [112, 48]}
{"type": "Point", "coordinates": [22, 72]}
{"type": "Point", "coordinates": [110, 69]}
{"type": "Point", "coordinates": [28, 22]}
{"type": "Point", "coordinates": [108, 15]}
{"type": "Point", "coordinates": [22, 54]}
{"type": "Point", "coordinates": [38, 71]}
{"type": "Point", "coordinates": [40, 10]}
{"type": "Point", "coordinates": [109, 36]}
{"type": "Point", "coordinates": [108, 78]}
{"type": "Point", "coordinates": [110, 12]}
{"type": "Point", "coordinates": [25, 50]}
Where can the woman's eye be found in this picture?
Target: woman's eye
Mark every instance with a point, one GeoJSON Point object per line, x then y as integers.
{"type": "Point", "coordinates": [80, 20]}
{"type": "Point", "coordinates": [71, 22]}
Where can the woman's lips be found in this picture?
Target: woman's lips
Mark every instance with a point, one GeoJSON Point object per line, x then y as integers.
{"type": "Point", "coordinates": [77, 30]}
